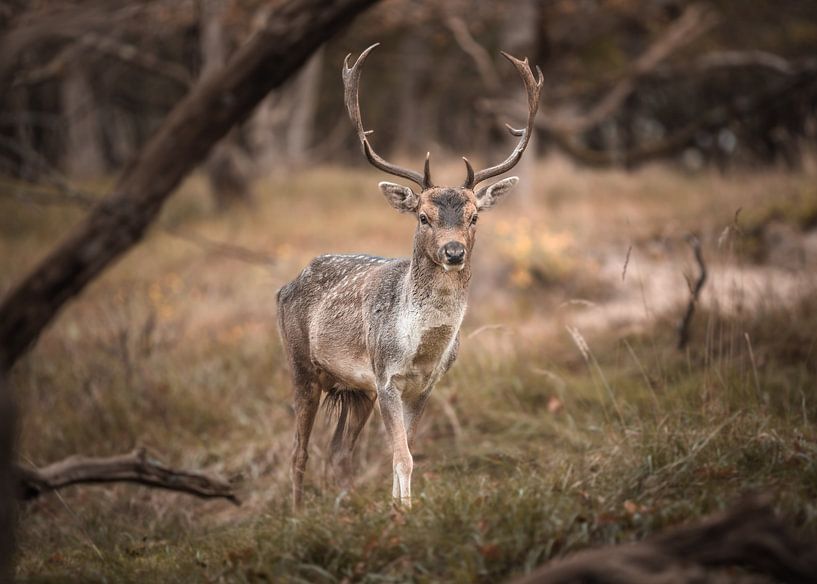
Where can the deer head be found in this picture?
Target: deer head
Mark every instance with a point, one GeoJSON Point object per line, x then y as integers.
{"type": "Point", "coordinates": [446, 216]}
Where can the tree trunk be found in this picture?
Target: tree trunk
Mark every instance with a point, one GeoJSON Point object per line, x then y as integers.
{"type": "Point", "coordinates": [84, 156]}
{"type": "Point", "coordinates": [301, 124]}
{"type": "Point", "coordinates": [281, 132]}
{"type": "Point", "coordinates": [414, 129]}
{"type": "Point", "coordinates": [7, 482]}
{"type": "Point", "coordinates": [225, 167]}
{"type": "Point", "coordinates": [120, 135]}
{"type": "Point", "coordinates": [265, 137]}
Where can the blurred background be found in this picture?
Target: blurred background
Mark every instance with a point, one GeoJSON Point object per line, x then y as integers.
{"type": "Point", "coordinates": [727, 83]}
{"type": "Point", "coordinates": [673, 138]}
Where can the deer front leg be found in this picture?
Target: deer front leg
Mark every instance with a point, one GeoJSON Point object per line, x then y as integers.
{"type": "Point", "coordinates": [391, 407]}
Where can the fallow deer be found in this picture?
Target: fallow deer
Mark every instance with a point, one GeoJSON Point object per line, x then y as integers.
{"type": "Point", "coordinates": [361, 328]}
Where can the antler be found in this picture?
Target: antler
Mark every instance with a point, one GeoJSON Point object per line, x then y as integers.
{"type": "Point", "coordinates": [351, 83]}
{"type": "Point", "coordinates": [533, 87]}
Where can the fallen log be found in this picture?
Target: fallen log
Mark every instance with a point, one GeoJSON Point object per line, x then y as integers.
{"type": "Point", "coordinates": [750, 537]}
{"type": "Point", "coordinates": [134, 467]}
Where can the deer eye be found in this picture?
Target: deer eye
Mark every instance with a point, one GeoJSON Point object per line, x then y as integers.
{"type": "Point", "coordinates": [474, 219]}
{"type": "Point", "coordinates": [423, 219]}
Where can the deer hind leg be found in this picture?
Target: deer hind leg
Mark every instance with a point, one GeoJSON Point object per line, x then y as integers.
{"type": "Point", "coordinates": [355, 407]}
{"type": "Point", "coordinates": [307, 400]}
{"type": "Point", "coordinates": [391, 406]}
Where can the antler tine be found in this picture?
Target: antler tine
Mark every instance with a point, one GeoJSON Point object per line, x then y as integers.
{"type": "Point", "coordinates": [351, 83]}
{"type": "Point", "coordinates": [533, 86]}
{"type": "Point", "coordinates": [469, 174]}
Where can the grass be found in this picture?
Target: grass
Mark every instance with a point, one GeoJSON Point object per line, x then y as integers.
{"type": "Point", "coordinates": [530, 448]}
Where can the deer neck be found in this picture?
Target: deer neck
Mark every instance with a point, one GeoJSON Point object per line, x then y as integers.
{"type": "Point", "coordinates": [429, 288]}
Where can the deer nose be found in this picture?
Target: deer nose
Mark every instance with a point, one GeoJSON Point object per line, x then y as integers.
{"type": "Point", "coordinates": [454, 252]}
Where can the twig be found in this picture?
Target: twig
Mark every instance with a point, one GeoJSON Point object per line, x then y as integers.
{"type": "Point", "coordinates": [754, 363]}
{"type": "Point", "coordinates": [626, 262]}
{"type": "Point", "coordinates": [694, 293]}
{"type": "Point", "coordinates": [487, 327]}
{"type": "Point", "coordinates": [134, 467]}
{"type": "Point", "coordinates": [451, 415]}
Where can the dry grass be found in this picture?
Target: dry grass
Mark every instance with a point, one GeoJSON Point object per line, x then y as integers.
{"type": "Point", "coordinates": [529, 449]}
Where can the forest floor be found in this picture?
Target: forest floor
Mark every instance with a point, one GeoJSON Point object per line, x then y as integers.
{"type": "Point", "coordinates": [569, 420]}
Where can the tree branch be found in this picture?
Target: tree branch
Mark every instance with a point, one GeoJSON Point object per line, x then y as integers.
{"type": "Point", "coordinates": [63, 21]}
{"type": "Point", "coordinates": [749, 59]}
{"type": "Point", "coordinates": [111, 47]}
{"type": "Point", "coordinates": [714, 119]}
{"type": "Point", "coordinates": [690, 25]}
{"type": "Point", "coordinates": [134, 467]}
{"type": "Point", "coordinates": [485, 65]}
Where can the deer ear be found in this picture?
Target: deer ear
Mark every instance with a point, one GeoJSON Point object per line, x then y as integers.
{"type": "Point", "coordinates": [401, 198]}
{"type": "Point", "coordinates": [488, 196]}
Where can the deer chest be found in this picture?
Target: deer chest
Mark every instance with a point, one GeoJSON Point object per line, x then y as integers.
{"type": "Point", "coordinates": [427, 343]}
{"type": "Point", "coordinates": [432, 346]}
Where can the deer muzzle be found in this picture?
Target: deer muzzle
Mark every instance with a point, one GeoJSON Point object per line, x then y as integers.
{"type": "Point", "coordinates": [453, 255]}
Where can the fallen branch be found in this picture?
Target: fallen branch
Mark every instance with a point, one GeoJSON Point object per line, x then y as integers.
{"type": "Point", "coordinates": [134, 467]}
{"type": "Point", "coordinates": [749, 536]}
{"type": "Point", "coordinates": [694, 293]}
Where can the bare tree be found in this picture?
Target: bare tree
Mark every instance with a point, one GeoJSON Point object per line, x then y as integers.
{"type": "Point", "coordinates": [84, 155]}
